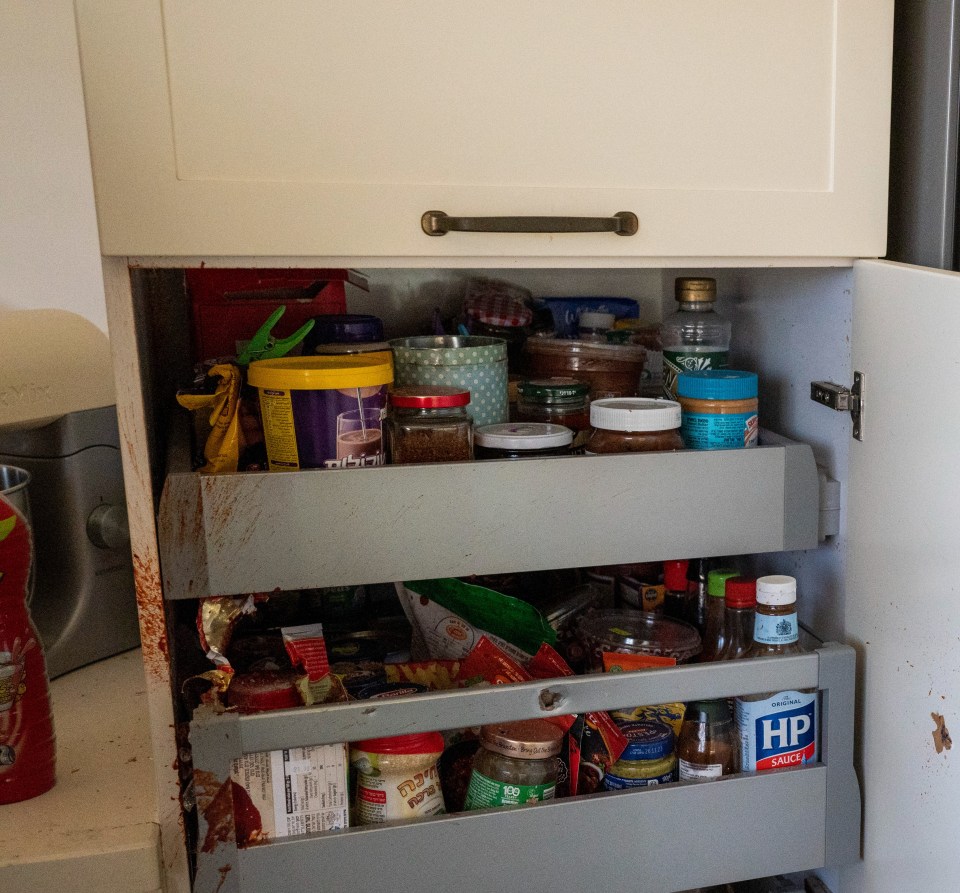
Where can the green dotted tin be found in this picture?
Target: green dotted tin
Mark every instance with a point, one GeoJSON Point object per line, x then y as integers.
{"type": "Point", "coordinates": [471, 362]}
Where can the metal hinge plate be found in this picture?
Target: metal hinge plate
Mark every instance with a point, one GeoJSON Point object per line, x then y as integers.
{"type": "Point", "coordinates": [836, 396]}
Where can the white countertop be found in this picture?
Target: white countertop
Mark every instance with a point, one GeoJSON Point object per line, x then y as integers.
{"type": "Point", "coordinates": [96, 830]}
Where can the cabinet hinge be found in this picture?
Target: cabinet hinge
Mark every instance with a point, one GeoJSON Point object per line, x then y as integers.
{"type": "Point", "coordinates": [836, 396]}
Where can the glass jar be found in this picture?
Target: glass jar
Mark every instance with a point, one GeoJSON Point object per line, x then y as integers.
{"type": "Point", "coordinates": [397, 778]}
{"type": "Point", "coordinates": [633, 425]}
{"type": "Point", "coordinates": [516, 764]}
{"type": "Point", "coordinates": [522, 440]}
{"type": "Point", "coordinates": [647, 760]}
{"type": "Point", "coordinates": [430, 424]}
{"type": "Point", "coordinates": [705, 747]}
{"type": "Point", "coordinates": [558, 400]}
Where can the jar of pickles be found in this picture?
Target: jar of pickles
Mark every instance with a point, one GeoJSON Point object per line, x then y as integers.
{"type": "Point", "coordinates": [516, 764]}
{"type": "Point", "coordinates": [430, 423]}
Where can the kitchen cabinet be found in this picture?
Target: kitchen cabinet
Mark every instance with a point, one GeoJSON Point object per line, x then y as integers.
{"type": "Point", "coordinates": [729, 128]}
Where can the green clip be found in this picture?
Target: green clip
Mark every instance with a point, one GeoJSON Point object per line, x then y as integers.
{"type": "Point", "coordinates": [263, 346]}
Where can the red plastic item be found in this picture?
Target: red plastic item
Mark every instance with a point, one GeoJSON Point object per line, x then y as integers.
{"type": "Point", "coordinates": [421, 742]}
{"type": "Point", "coordinates": [264, 690]}
{"type": "Point", "coordinates": [27, 741]}
{"type": "Point", "coordinates": [740, 592]}
{"type": "Point", "coordinates": [675, 575]}
{"type": "Point", "coordinates": [229, 305]}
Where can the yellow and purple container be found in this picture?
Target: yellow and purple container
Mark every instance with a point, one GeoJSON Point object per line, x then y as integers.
{"type": "Point", "coordinates": [322, 412]}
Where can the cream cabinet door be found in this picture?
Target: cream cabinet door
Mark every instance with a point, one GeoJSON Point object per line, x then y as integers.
{"type": "Point", "coordinates": [328, 127]}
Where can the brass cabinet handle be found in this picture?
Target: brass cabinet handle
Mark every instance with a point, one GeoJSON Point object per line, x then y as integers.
{"type": "Point", "coordinates": [438, 223]}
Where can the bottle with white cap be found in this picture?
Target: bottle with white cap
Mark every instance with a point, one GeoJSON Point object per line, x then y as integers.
{"type": "Point", "coordinates": [777, 729]}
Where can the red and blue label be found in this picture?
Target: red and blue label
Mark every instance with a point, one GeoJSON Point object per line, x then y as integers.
{"type": "Point", "coordinates": [778, 732]}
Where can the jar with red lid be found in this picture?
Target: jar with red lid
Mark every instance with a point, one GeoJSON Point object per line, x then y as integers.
{"type": "Point", "coordinates": [430, 423]}
{"type": "Point", "coordinates": [397, 778]}
{"type": "Point", "coordinates": [262, 690]}
{"type": "Point", "coordinates": [634, 425]}
{"type": "Point", "coordinates": [557, 401]}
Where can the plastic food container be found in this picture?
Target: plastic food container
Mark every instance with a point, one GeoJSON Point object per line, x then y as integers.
{"type": "Point", "coordinates": [473, 363]}
{"type": "Point", "coordinates": [522, 440]}
{"type": "Point", "coordinates": [343, 328]}
{"type": "Point", "coordinates": [719, 409]}
{"type": "Point", "coordinates": [263, 690]}
{"type": "Point", "coordinates": [611, 370]}
{"type": "Point", "coordinates": [634, 425]}
{"type": "Point", "coordinates": [322, 412]}
{"type": "Point", "coordinates": [636, 632]}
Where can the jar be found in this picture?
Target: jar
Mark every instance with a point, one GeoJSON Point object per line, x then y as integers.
{"type": "Point", "coordinates": [647, 760]}
{"type": "Point", "coordinates": [430, 424]}
{"type": "Point", "coordinates": [522, 440]}
{"type": "Point", "coordinates": [719, 409]}
{"type": "Point", "coordinates": [370, 350]}
{"type": "Point", "coordinates": [634, 425]}
{"type": "Point", "coordinates": [593, 325]}
{"type": "Point", "coordinates": [263, 690]}
{"type": "Point", "coordinates": [611, 370]}
{"type": "Point", "coordinates": [630, 631]}
{"type": "Point", "coordinates": [558, 401]}
{"type": "Point", "coordinates": [397, 778]}
{"type": "Point", "coordinates": [342, 328]}
{"type": "Point", "coordinates": [706, 744]}
{"type": "Point", "coordinates": [463, 361]}
{"type": "Point", "coordinates": [516, 764]}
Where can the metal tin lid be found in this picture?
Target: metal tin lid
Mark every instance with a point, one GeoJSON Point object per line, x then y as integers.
{"type": "Point", "coordinates": [647, 740]}
{"type": "Point", "coordinates": [421, 742]}
{"type": "Point", "coordinates": [717, 384]}
{"type": "Point", "coordinates": [776, 589]}
{"type": "Point", "coordinates": [318, 373]}
{"type": "Point", "coordinates": [449, 350]}
{"type": "Point", "coordinates": [716, 580]}
{"type": "Point", "coordinates": [523, 436]}
{"type": "Point", "coordinates": [639, 632]}
{"type": "Point", "coordinates": [692, 289]}
{"type": "Point", "coordinates": [528, 739]}
{"type": "Point", "coordinates": [553, 390]}
{"type": "Point", "coordinates": [428, 397]}
{"type": "Point", "coordinates": [635, 414]}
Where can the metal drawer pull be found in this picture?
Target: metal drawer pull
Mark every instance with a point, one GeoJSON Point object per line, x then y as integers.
{"type": "Point", "coordinates": [438, 223]}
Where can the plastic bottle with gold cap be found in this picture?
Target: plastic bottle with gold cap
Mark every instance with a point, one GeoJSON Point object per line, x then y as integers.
{"type": "Point", "coordinates": [695, 336]}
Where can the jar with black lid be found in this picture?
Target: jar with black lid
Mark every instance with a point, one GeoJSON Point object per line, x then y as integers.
{"type": "Point", "coordinates": [430, 423]}
{"type": "Point", "coordinates": [522, 440]}
{"type": "Point", "coordinates": [634, 425]}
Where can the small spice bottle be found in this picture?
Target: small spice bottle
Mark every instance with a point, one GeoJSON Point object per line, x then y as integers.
{"type": "Point", "coordinates": [429, 423]}
{"type": "Point", "coordinates": [522, 440]}
{"type": "Point", "coordinates": [705, 747]}
{"type": "Point", "coordinates": [719, 409]}
{"type": "Point", "coordinates": [633, 425]}
{"type": "Point", "coordinates": [558, 401]}
{"type": "Point", "coordinates": [648, 759]}
{"type": "Point", "coordinates": [516, 764]}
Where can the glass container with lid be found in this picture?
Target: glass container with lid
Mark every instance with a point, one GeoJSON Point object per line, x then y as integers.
{"type": "Point", "coordinates": [430, 423]}
{"type": "Point", "coordinates": [634, 424]}
{"type": "Point", "coordinates": [516, 764]}
{"type": "Point", "coordinates": [636, 632]}
{"type": "Point", "coordinates": [648, 759]}
{"type": "Point", "coordinates": [522, 440]}
{"type": "Point", "coordinates": [558, 401]}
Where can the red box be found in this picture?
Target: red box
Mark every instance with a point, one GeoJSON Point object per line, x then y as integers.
{"type": "Point", "coordinates": [229, 305]}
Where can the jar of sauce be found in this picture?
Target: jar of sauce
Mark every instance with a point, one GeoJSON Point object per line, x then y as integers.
{"type": "Point", "coordinates": [705, 748]}
{"type": "Point", "coordinates": [558, 400]}
{"type": "Point", "coordinates": [634, 425]}
{"type": "Point", "coordinates": [648, 759]}
{"type": "Point", "coordinates": [522, 440]}
{"type": "Point", "coordinates": [516, 764]}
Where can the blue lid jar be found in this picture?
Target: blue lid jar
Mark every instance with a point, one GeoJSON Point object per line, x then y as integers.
{"type": "Point", "coordinates": [342, 328]}
{"type": "Point", "coordinates": [647, 740]}
{"type": "Point", "coordinates": [717, 384]}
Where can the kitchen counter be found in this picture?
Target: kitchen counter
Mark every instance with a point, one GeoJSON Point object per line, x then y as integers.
{"type": "Point", "coordinates": [97, 828]}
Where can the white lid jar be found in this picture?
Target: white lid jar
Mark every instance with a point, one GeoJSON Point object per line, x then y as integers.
{"type": "Point", "coordinates": [634, 424]}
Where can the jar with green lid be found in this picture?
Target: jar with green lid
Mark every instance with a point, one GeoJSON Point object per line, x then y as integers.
{"type": "Point", "coordinates": [516, 764]}
{"type": "Point", "coordinates": [649, 758]}
{"type": "Point", "coordinates": [558, 401]}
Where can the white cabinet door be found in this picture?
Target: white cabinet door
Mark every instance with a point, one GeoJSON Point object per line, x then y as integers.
{"type": "Point", "coordinates": [903, 577]}
{"type": "Point", "coordinates": [729, 127]}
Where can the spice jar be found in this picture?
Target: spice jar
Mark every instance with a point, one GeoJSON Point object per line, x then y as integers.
{"type": "Point", "coordinates": [648, 759]}
{"type": "Point", "coordinates": [633, 425]}
{"type": "Point", "coordinates": [522, 440]}
{"type": "Point", "coordinates": [558, 401]}
{"type": "Point", "coordinates": [429, 423]}
{"type": "Point", "coordinates": [706, 744]}
{"type": "Point", "coordinates": [397, 778]}
{"type": "Point", "coordinates": [719, 409]}
{"type": "Point", "coordinates": [516, 764]}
